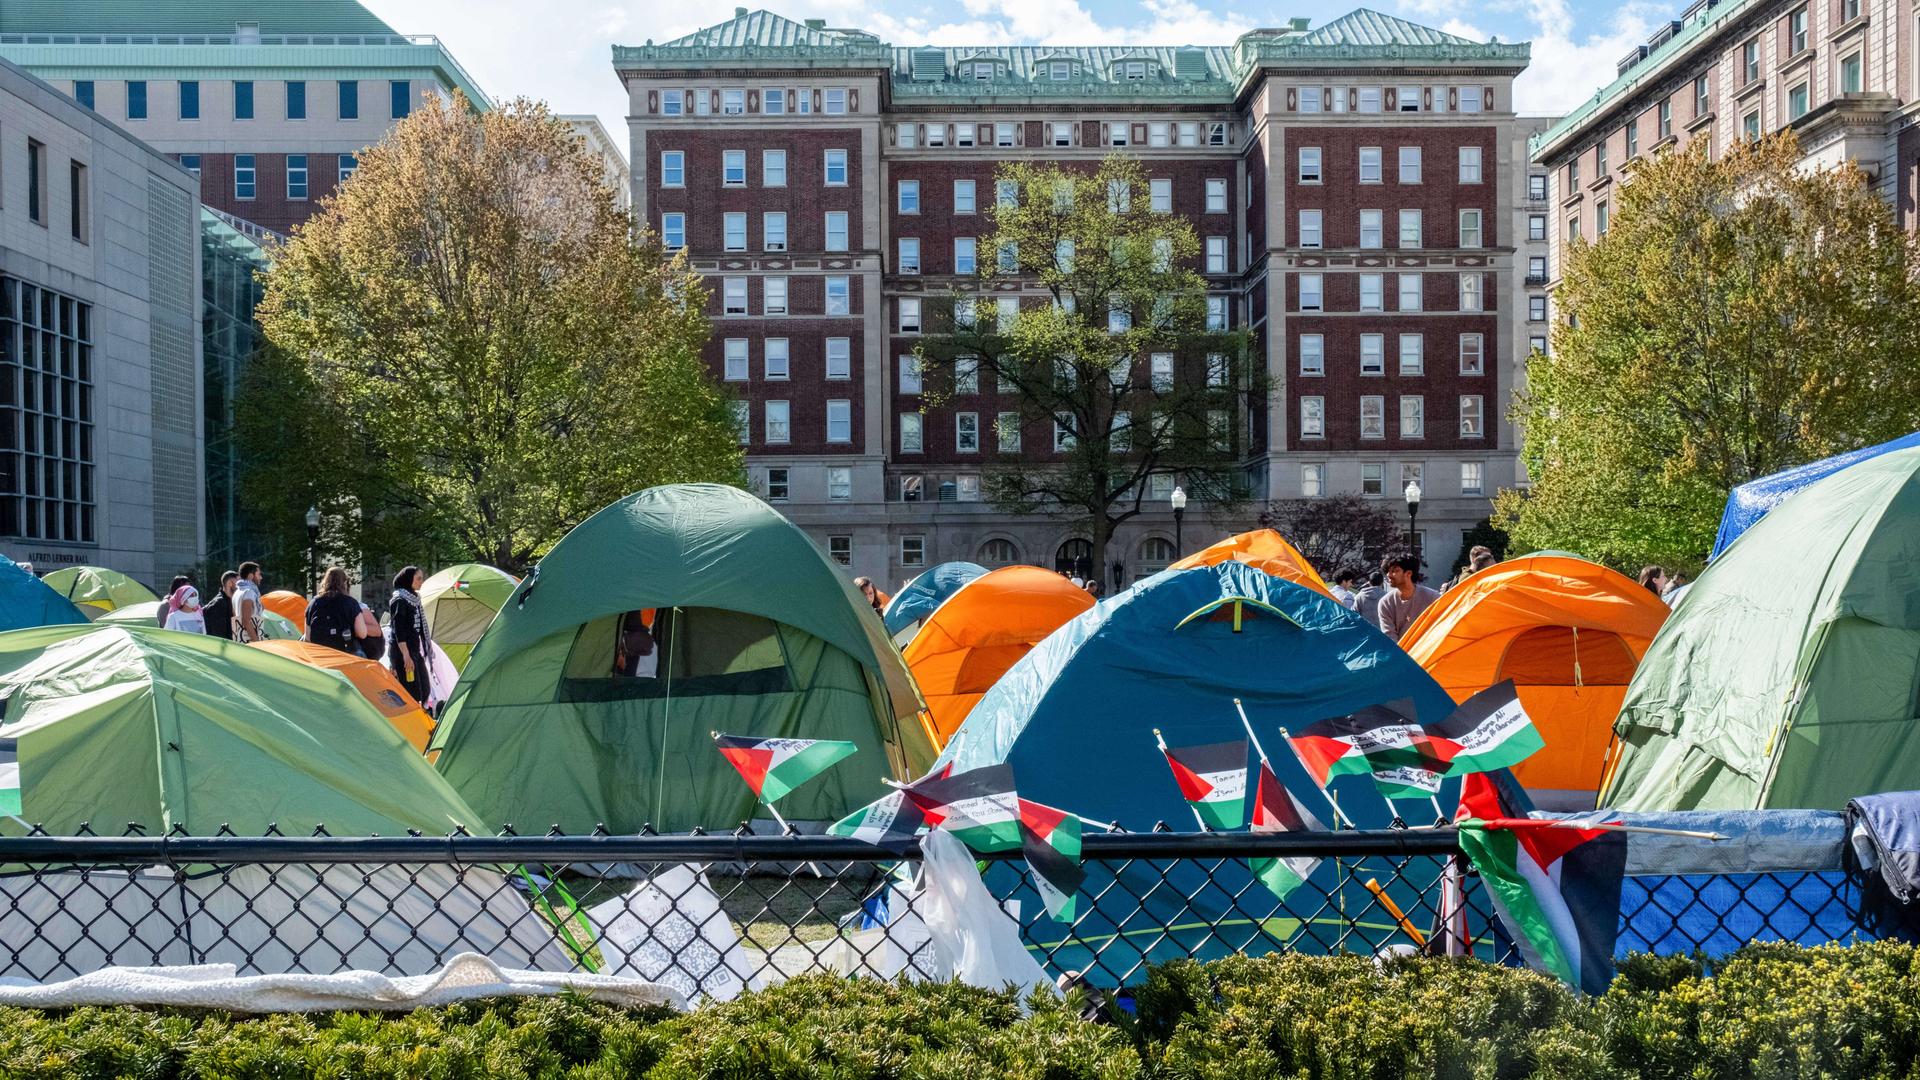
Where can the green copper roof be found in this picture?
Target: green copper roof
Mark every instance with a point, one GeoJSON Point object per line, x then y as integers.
{"type": "Point", "coordinates": [767, 29]}
{"type": "Point", "coordinates": [1363, 26]}
{"type": "Point", "coordinates": [187, 17]}
{"type": "Point", "coordinates": [1704, 24]}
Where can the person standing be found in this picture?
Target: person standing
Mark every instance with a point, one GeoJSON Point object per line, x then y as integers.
{"type": "Point", "coordinates": [218, 611]}
{"type": "Point", "coordinates": [1344, 580]}
{"type": "Point", "coordinates": [1366, 602]}
{"type": "Point", "coordinates": [407, 653]}
{"type": "Point", "coordinates": [167, 609]}
{"type": "Point", "coordinates": [249, 618]}
{"type": "Point", "coordinates": [1653, 579]}
{"type": "Point", "coordinates": [185, 615]}
{"type": "Point", "coordinates": [333, 618]}
{"type": "Point", "coordinates": [1406, 598]}
{"type": "Point", "coordinates": [871, 592]}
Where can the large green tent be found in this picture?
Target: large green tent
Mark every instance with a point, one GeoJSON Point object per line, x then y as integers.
{"type": "Point", "coordinates": [97, 590]}
{"type": "Point", "coordinates": [461, 602]}
{"type": "Point", "coordinates": [758, 633]}
{"type": "Point", "coordinates": [1790, 676]}
{"type": "Point", "coordinates": [130, 723]}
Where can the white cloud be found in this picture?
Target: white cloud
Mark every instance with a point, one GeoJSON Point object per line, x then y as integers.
{"type": "Point", "coordinates": [1567, 67]}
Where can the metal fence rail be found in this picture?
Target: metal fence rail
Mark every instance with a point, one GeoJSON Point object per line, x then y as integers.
{"type": "Point", "coordinates": [712, 914]}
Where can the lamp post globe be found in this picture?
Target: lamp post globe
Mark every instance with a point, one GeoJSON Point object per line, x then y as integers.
{"type": "Point", "coordinates": [1178, 500]}
{"type": "Point", "coordinates": [1413, 512]}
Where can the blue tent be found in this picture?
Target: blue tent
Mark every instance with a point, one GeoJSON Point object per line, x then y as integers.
{"type": "Point", "coordinates": [919, 597]}
{"type": "Point", "coordinates": [1075, 718]}
{"type": "Point", "coordinates": [26, 601]}
{"type": "Point", "coordinates": [1750, 501]}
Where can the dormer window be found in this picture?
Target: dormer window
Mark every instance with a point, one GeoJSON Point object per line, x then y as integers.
{"type": "Point", "coordinates": [1060, 70]}
{"type": "Point", "coordinates": [982, 69]}
{"type": "Point", "coordinates": [1133, 70]}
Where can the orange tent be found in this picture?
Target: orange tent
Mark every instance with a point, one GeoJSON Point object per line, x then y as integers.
{"type": "Point", "coordinates": [371, 678]}
{"type": "Point", "coordinates": [1262, 549]}
{"type": "Point", "coordinates": [290, 606]}
{"type": "Point", "coordinates": [980, 631]}
{"type": "Point", "coordinates": [1569, 633]}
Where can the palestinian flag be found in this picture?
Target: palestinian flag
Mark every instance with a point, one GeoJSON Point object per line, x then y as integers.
{"type": "Point", "coordinates": [978, 806]}
{"type": "Point", "coordinates": [774, 767]}
{"type": "Point", "coordinates": [1556, 888]}
{"type": "Point", "coordinates": [1385, 740]}
{"type": "Point", "coordinates": [9, 776]}
{"type": "Point", "coordinates": [1488, 731]}
{"type": "Point", "coordinates": [890, 819]}
{"type": "Point", "coordinates": [1213, 780]}
{"type": "Point", "coordinates": [1050, 839]}
{"type": "Point", "coordinates": [1276, 810]}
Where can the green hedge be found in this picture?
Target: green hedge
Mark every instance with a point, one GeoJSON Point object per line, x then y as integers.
{"type": "Point", "coordinates": [1770, 1012]}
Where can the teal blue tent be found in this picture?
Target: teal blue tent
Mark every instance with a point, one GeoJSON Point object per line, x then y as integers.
{"type": "Point", "coordinates": [918, 599]}
{"type": "Point", "coordinates": [26, 601]}
{"type": "Point", "coordinates": [1076, 716]}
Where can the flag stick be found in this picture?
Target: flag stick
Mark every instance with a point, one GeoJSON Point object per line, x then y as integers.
{"type": "Point", "coordinates": [1196, 810]}
{"type": "Point", "coordinates": [1103, 826]}
{"type": "Point", "coordinates": [785, 829]}
{"type": "Point", "coordinates": [1393, 909]}
{"type": "Point", "coordinates": [1435, 799]}
{"type": "Point", "coordinates": [1650, 830]}
{"type": "Point", "coordinates": [1337, 812]}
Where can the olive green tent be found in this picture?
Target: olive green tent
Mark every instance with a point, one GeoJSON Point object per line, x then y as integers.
{"type": "Point", "coordinates": [276, 627]}
{"type": "Point", "coordinates": [755, 632]}
{"type": "Point", "coordinates": [461, 602]}
{"type": "Point", "coordinates": [130, 723]}
{"type": "Point", "coordinates": [1790, 676]}
{"type": "Point", "coordinates": [96, 590]}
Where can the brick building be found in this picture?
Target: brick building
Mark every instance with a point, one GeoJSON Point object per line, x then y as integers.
{"type": "Point", "coordinates": [1359, 190]}
{"type": "Point", "coordinates": [1843, 74]}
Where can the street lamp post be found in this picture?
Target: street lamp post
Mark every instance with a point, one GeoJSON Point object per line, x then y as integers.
{"type": "Point", "coordinates": [1413, 512]}
{"type": "Point", "coordinates": [313, 548]}
{"type": "Point", "coordinates": [1179, 502]}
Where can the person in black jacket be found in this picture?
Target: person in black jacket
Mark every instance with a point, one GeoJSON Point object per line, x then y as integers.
{"type": "Point", "coordinates": [219, 610]}
{"type": "Point", "coordinates": [407, 655]}
{"type": "Point", "coordinates": [333, 618]}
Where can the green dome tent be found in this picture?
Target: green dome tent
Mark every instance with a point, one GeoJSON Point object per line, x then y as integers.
{"type": "Point", "coordinates": [756, 632]}
{"type": "Point", "coordinates": [97, 590]}
{"type": "Point", "coordinates": [461, 602]}
{"type": "Point", "coordinates": [274, 626]}
{"type": "Point", "coordinates": [1791, 676]}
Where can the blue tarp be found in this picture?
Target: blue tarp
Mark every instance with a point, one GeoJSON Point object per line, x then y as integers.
{"type": "Point", "coordinates": [1750, 501]}
{"type": "Point", "coordinates": [26, 601]}
{"type": "Point", "coordinates": [919, 597]}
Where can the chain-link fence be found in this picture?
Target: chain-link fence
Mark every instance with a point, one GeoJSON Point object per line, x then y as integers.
{"type": "Point", "coordinates": [712, 914]}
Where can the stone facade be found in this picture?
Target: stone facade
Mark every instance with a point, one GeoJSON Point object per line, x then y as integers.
{"type": "Point", "coordinates": [100, 342]}
{"type": "Point", "coordinates": [845, 120]}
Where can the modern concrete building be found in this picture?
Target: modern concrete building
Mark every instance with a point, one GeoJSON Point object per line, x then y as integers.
{"type": "Point", "coordinates": [1843, 74]}
{"type": "Point", "coordinates": [1357, 188]}
{"type": "Point", "coordinates": [100, 341]}
{"type": "Point", "coordinates": [268, 101]}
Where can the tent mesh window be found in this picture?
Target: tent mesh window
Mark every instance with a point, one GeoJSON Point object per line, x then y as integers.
{"type": "Point", "coordinates": [695, 652]}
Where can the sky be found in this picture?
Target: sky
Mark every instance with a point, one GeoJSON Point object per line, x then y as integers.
{"type": "Point", "coordinates": [560, 51]}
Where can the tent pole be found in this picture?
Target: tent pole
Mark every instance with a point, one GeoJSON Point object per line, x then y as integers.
{"type": "Point", "coordinates": [666, 718]}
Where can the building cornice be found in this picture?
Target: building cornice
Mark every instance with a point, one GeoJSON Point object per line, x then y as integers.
{"type": "Point", "coordinates": [362, 56]}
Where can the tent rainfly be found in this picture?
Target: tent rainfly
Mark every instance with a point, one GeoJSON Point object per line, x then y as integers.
{"type": "Point", "coordinates": [26, 601]}
{"type": "Point", "coordinates": [1750, 501]}
{"type": "Point", "coordinates": [909, 607]}
{"type": "Point", "coordinates": [97, 590]}
{"type": "Point", "coordinates": [461, 602]}
{"type": "Point", "coordinates": [1264, 550]}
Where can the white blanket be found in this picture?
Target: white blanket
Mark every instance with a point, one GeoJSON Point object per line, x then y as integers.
{"type": "Point", "coordinates": [215, 986]}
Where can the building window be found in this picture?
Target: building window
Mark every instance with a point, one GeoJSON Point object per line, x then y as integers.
{"type": "Point", "coordinates": [1470, 229]}
{"type": "Point", "coordinates": [963, 196]}
{"type": "Point", "coordinates": [1412, 292]}
{"type": "Point", "coordinates": [1750, 62]}
{"type": "Point", "coordinates": [1409, 164]}
{"type": "Point", "coordinates": [837, 297]}
{"type": "Point", "coordinates": [1536, 309]}
{"type": "Point", "coordinates": [296, 176]}
{"type": "Point", "coordinates": [1160, 372]}
{"type": "Point", "coordinates": [734, 292]}
{"type": "Point", "coordinates": [83, 92]}
{"type": "Point", "coordinates": [839, 358]}
{"type": "Point", "coordinates": [834, 102]}
{"type": "Point", "coordinates": [773, 101]}
{"type": "Point", "coordinates": [1372, 292]}
{"type": "Point", "coordinates": [1373, 478]}
{"type": "Point", "coordinates": [742, 421]}
{"type": "Point", "coordinates": [1413, 354]}
{"type": "Point", "coordinates": [1408, 98]}
{"type": "Point", "coordinates": [296, 101]}
{"type": "Point", "coordinates": [191, 163]}
{"type": "Point", "coordinates": [965, 255]}
{"type": "Point", "coordinates": [1665, 119]}
{"type": "Point", "coordinates": [136, 99]}
{"type": "Point", "coordinates": [1797, 32]}
{"type": "Point", "coordinates": [1470, 295]}
{"type": "Point", "coordinates": [189, 100]}
{"type": "Point", "coordinates": [1003, 134]}
{"type": "Point", "coordinates": [1750, 126]}
{"type": "Point", "coordinates": [1470, 99]}
{"type": "Point", "coordinates": [773, 168]}
{"type": "Point", "coordinates": [47, 490]}
{"type": "Point", "coordinates": [736, 365]}
{"type": "Point", "coordinates": [77, 200]}
{"type": "Point", "coordinates": [966, 375]}
{"type": "Point", "coordinates": [773, 295]}
{"type": "Point", "coordinates": [1537, 227]}
{"type": "Point", "coordinates": [1373, 354]}
{"type": "Point", "coordinates": [1310, 298]}
{"type": "Point", "coordinates": [913, 550]}
{"type": "Point", "coordinates": [1850, 73]}
{"type": "Point", "coordinates": [1370, 165]}
{"type": "Point", "coordinates": [1006, 193]}
{"type": "Point", "coordinates": [909, 315]}
{"type": "Point", "coordinates": [1473, 354]}
{"type": "Point", "coordinates": [1060, 134]}
{"type": "Point", "coordinates": [733, 168]}
{"type": "Point", "coordinates": [1370, 99]}
{"type": "Point", "coordinates": [673, 168]}
{"type": "Point", "coordinates": [243, 176]}
{"type": "Point", "coordinates": [1538, 344]}
{"type": "Point", "coordinates": [1313, 479]}
{"type": "Point", "coordinates": [1632, 136]}
{"type": "Point", "coordinates": [733, 102]}
{"type": "Point", "coordinates": [37, 195]}
{"type": "Point", "coordinates": [773, 231]}
{"type": "Point", "coordinates": [1216, 196]}
{"type": "Point", "coordinates": [1309, 99]}
{"type": "Point", "coordinates": [966, 433]}
{"type": "Point", "coordinates": [1573, 228]}
{"type": "Point", "coordinates": [1218, 315]}
{"type": "Point", "coordinates": [1469, 164]}
{"type": "Point", "coordinates": [672, 102]}
{"type": "Point", "coordinates": [1313, 354]}
{"type": "Point", "coordinates": [1702, 97]}
{"type": "Point", "coordinates": [673, 231]}
{"type": "Point", "coordinates": [733, 232]}
{"type": "Point", "coordinates": [1471, 426]}
{"type": "Point", "coordinates": [400, 93]}
{"type": "Point", "coordinates": [909, 197]}
{"type": "Point", "coordinates": [1006, 429]}
{"type": "Point", "coordinates": [1472, 480]}
{"type": "Point", "coordinates": [243, 100]}
{"type": "Point", "coordinates": [1373, 417]}
{"type": "Point", "coordinates": [1573, 174]}
{"type": "Point", "coordinates": [1797, 102]}
{"type": "Point", "coordinates": [1413, 419]}
{"type": "Point", "coordinates": [1371, 230]}
{"type": "Point", "coordinates": [1410, 228]}
{"type": "Point", "coordinates": [910, 375]}
{"type": "Point", "coordinates": [1313, 417]}
{"type": "Point", "coordinates": [1309, 164]}
{"type": "Point", "coordinates": [910, 432]}
{"type": "Point", "coordinates": [836, 230]}
{"type": "Point", "coordinates": [909, 260]}
{"type": "Point", "coordinates": [1536, 187]}
{"type": "Point", "coordinates": [839, 421]}
{"type": "Point", "coordinates": [836, 170]}
{"type": "Point", "coordinates": [1601, 218]}
{"type": "Point", "coordinates": [1310, 228]}
{"type": "Point", "coordinates": [1216, 254]}
{"type": "Point", "coordinates": [777, 487]}
{"type": "Point", "coordinates": [779, 425]}
{"type": "Point", "coordinates": [1849, 10]}
{"type": "Point", "coordinates": [840, 549]}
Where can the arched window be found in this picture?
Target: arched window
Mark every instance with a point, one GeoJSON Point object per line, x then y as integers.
{"type": "Point", "coordinates": [1156, 552]}
{"type": "Point", "coordinates": [997, 553]}
{"type": "Point", "coordinates": [1075, 557]}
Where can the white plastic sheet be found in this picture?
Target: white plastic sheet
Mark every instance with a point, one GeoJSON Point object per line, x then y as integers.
{"type": "Point", "coordinates": [974, 939]}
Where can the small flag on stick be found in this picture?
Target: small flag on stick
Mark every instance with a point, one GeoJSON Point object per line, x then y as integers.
{"type": "Point", "coordinates": [1385, 740]}
{"type": "Point", "coordinates": [1489, 731]}
{"type": "Point", "coordinates": [773, 768]}
{"type": "Point", "coordinates": [978, 806]}
{"type": "Point", "coordinates": [1050, 839]}
{"type": "Point", "coordinates": [1276, 810]}
{"type": "Point", "coordinates": [888, 821]}
{"type": "Point", "coordinates": [1213, 780]}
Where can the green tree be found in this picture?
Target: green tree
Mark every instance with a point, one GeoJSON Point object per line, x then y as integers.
{"type": "Point", "coordinates": [1118, 352]}
{"type": "Point", "coordinates": [1338, 531]}
{"type": "Point", "coordinates": [1742, 315]}
{"type": "Point", "coordinates": [481, 346]}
